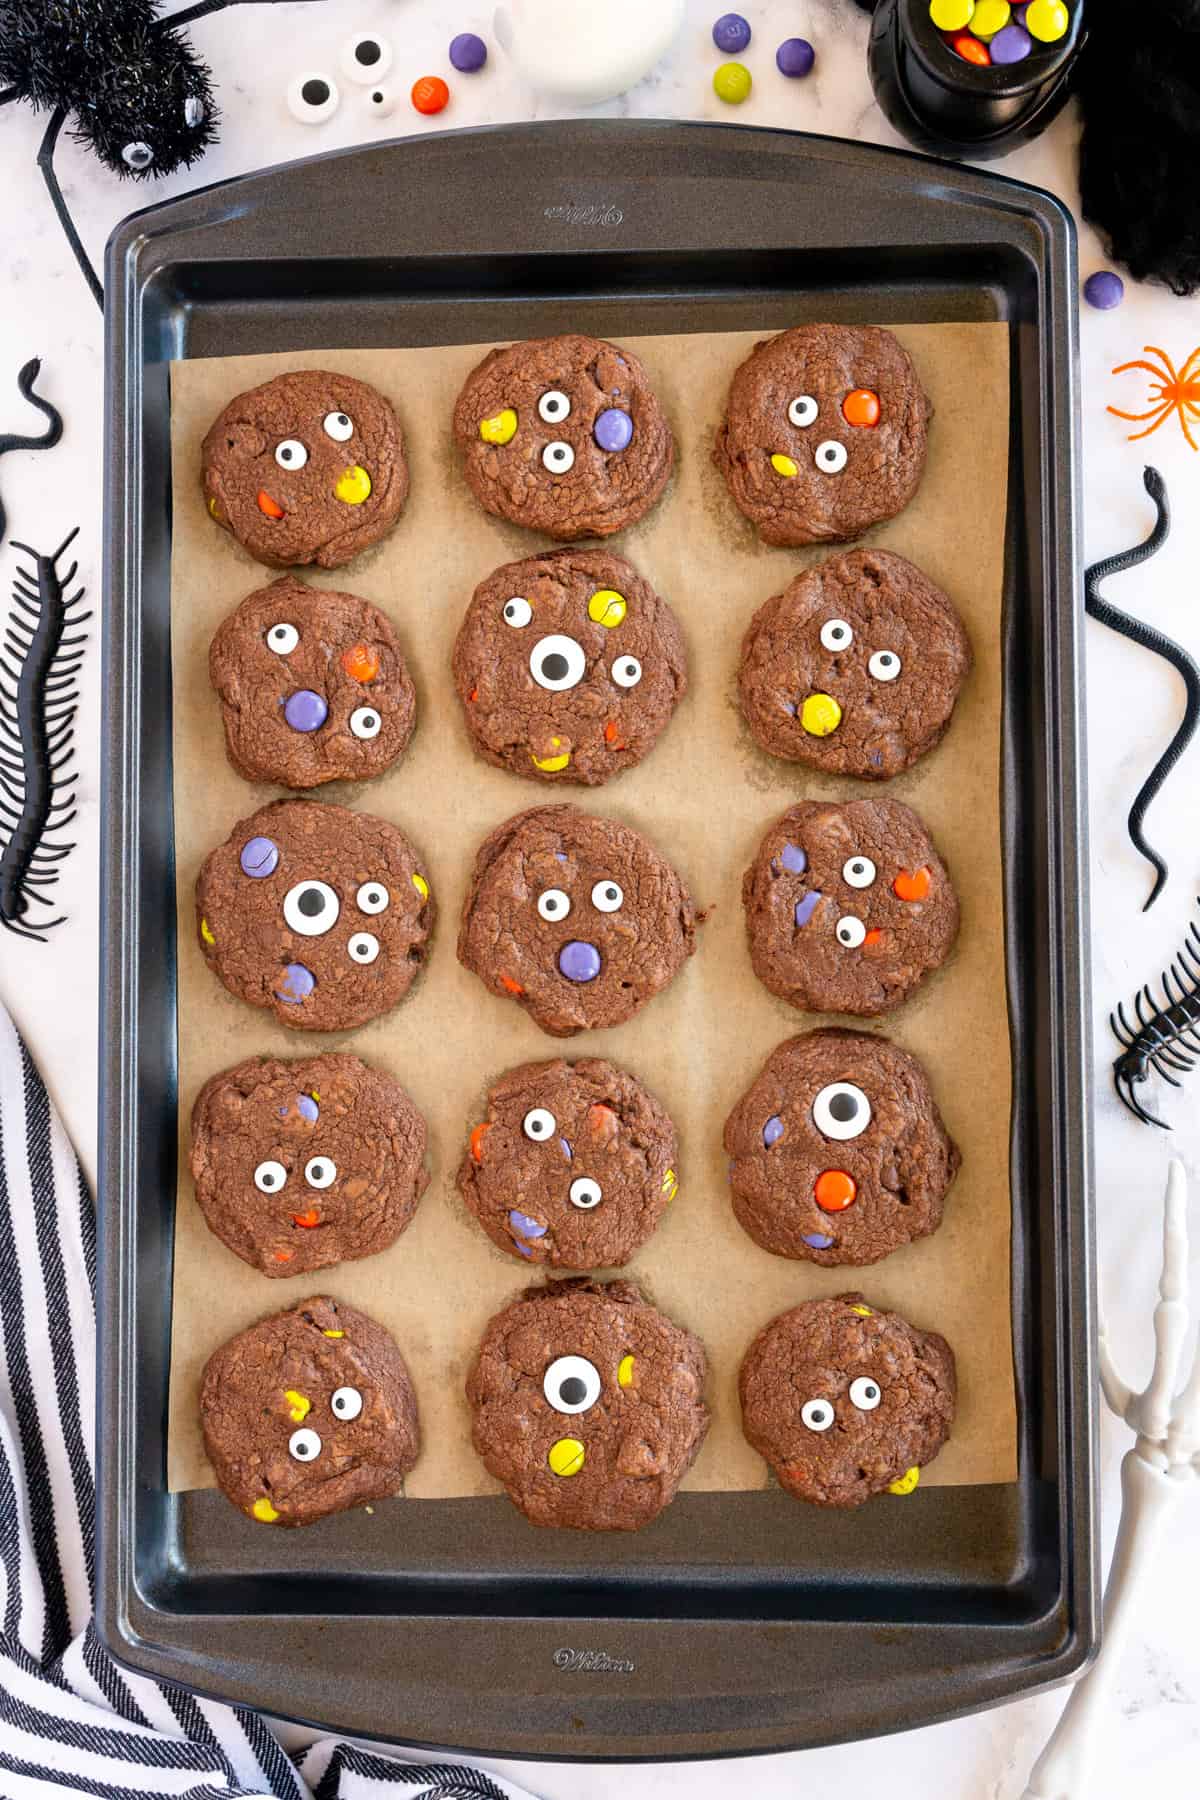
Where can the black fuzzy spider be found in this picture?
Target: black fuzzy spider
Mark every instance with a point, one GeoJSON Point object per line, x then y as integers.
{"type": "Point", "coordinates": [139, 96]}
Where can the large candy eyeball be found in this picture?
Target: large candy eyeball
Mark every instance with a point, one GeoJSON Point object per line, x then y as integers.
{"type": "Point", "coordinates": [304, 1444]}
{"type": "Point", "coordinates": [137, 155]}
{"type": "Point", "coordinates": [586, 1193]}
{"type": "Point", "coordinates": [554, 904]}
{"type": "Point", "coordinates": [372, 897]}
{"type": "Point", "coordinates": [282, 638]}
{"type": "Point", "coordinates": [557, 663]}
{"type": "Point", "coordinates": [885, 665]}
{"type": "Point", "coordinates": [608, 896]}
{"type": "Point", "coordinates": [365, 722]}
{"type": "Point", "coordinates": [831, 457]}
{"type": "Point", "coordinates": [313, 98]}
{"type": "Point", "coordinates": [558, 457]}
{"type": "Point", "coordinates": [836, 634]}
{"type": "Point", "coordinates": [627, 671]}
{"type": "Point", "coordinates": [339, 426]}
{"type": "Point", "coordinates": [554, 406]}
{"type": "Point", "coordinates": [269, 1176]}
{"type": "Point", "coordinates": [817, 1414]}
{"type": "Point", "coordinates": [859, 872]}
{"type": "Point", "coordinates": [841, 1111]}
{"type": "Point", "coordinates": [865, 1394]}
{"type": "Point", "coordinates": [517, 612]}
{"type": "Point", "coordinates": [320, 1171]}
{"type": "Point", "coordinates": [539, 1124]}
{"type": "Point", "coordinates": [850, 932]}
{"type": "Point", "coordinates": [802, 410]}
{"type": "Point", "coordinates": [362, 948]}
{"type": "Point", "coordinates": [291, 454]}
{"type": "Point", "coordinates": [366, 57]}
{"type": "Point", "coordinates": [571, 1384]}
{"type": "Point", "coordinates": [311, 908]}
{"type": "Point", "coordinates": [346, 1403]}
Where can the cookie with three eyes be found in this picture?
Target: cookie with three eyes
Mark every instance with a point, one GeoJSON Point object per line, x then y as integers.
{"type": "Point", "coordinates": [824, 433]}
{"type": "Point", "coordinates": [588, 1405]}
{"type": "Point", "coordinates": [855, 667]}
{"type": "Point", "coordinates": [309, 1412]}
{"type": "Point", "coordinates": [307, 468]}
{"type": "Point", "coordinates": [568, 666]}
{"type": "Point", "coordinates": [321, 914]}
{"type": "Point", "coordinates": [848, 906]}
{"type": "Point", "coordinates": [838, 1151]}
{"type": "Point", "coordinates": [301, 1165]}
{"type": "Point", "coordinates": [312, 685]}
{"type": "Point", "coordinates": [845, 1401]}
{"type": "Point", "coordinates": [563, 435]}
{"type": "Point", "coordinates": [578, 919]}
{"type": "Point", "coordinates": [573, 1166]}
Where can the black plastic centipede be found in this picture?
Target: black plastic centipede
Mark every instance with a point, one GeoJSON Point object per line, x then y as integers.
{"type": "Point", "coordinates": [1167, 1035]}
{"type": "Point", "coordinates": [40, 656]}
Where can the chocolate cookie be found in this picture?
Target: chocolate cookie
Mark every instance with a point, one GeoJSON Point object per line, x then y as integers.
{"type": "Point", "coordinates": [307, 468]}
{"type": "Point", "coordinates": [573, 1166]}
{"type": "Point", "coordinates": [588, 1405]}
{"type": "Point", "coordinates": [886, 1389]}
{"type": "Point", "coordinates": [320, 913]}
{"type": "Point", "coordinates": [854, 668]}
{"type": "Point", "coordinates": [848, 907]}
{"type": "Point", "coordinates": [839, 1151]}
{"type": "Point", "coordinates": [300, 1165]}
{"type": "Point", "coordinates": [824, 433]}
{"type": "Point", "coordinates": [568, 666]}
{"type": "Point", "coordinates": [563, 435]}
{"type": "Point", "coordinates": [313, 686]}
{"type": "Point", "coordinates": [578, 919]}
{"type": "Point", "coordinates": [309, 1412]}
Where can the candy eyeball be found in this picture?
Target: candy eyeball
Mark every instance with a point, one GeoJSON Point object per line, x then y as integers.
{"type": "Point", "coordinates": [608, 896]}
{"type": "Point", "coordinates": [539, 1124]}
{"type": "Point", "coordinates": [339, 426]}
{"type": "Point", "coordinates": [554, 407]}
{"type": "Point", "coordinates": [282, 638]}
{"type": "Point", "coordinates": [363, 948]}
{"type": "Point", "coordinates": [885, 665]}
{"type": "Point", "coordinates": [558, 457]}
{"type": "Point", "coordinates": [311, 908]}
{"type": "Point", "coordinates": [137, 156]}
{"type": "Point", "coordinates": [859, 872]}
{"type": "Point", "coordinates": [802, 410]}
{"type": "Point", "coordinates": [571, 1384]}
{"type": "Point", "coordinates": [850, 932]}
{"type": "Point", "coordinates": [381, 102]}
{"type": "Point", "coordinates": [831, 457]}
{"type": "Point", "coordinates": [817, 1414]}
{"type": "Point", "coordinates": [554, 904]}
{"type": "Point", "coordinates": [842, 1111]}
{"type": "Point", "coordinates": [865, 1394]}
{"type": "Point", "coordinates": [557, 663]}
{"type": "Point", "coordinates": [586, 1193]}
{"type": "Point", "coordinates": [365, 722]}
{"type": "Point", "coordinates": [291, 454]}
{"type": "Point", "coordinates": [366, 57]}
{"type": "Point", "coordinates": [836, 634]}
{"type": "Point", "coordinates": [372, 897]}
{"type": "Point", "coordinates": [194, 111]}
{"type": "Point", "coordinates": [320, 1172]}
{"type": "Point", "coordinates": [346, 1404]}
{"type": "Point", "coordinates": [270, 1176]}
{"type": "Point", "coordinates": [517, 612]}
{"type": "Point", "coordinates": [627, 671]}
{"type": "Point", "coordinates": [313, 98]}
{"type": "Point", "coordinates": [304, 1445]}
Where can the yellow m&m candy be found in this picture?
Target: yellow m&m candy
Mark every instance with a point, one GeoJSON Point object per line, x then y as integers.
{"type": "Point", "coordinates": [989, 17]}
{"type": "Point", "coordinates": [820, 715]}
{"type": "Point", "coordinates": [566, 1457]}
{"type": "Point", "coordinates": [607, 607]}
{"type": "Point", "coordinates": [500, 427]}
{"type": "Point", "coordinates": [1047, 20]}
{"type": "Point", "coordinates": [951, 15]}
{"type": "Point", "coordinates": [904, 1484]}
{"type": "Point", "coordinates": [732, 83]}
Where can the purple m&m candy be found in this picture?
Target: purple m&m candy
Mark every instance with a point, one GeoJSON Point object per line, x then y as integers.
{"type": "Point", "coordinates": [308, 1109]}
{"type": "Point", "coordinates": [567, 1150]}
{"type": "Point", "coordinates": [816, 1240]}
{"type": "Point", "coordinates": [1104, 290]}
{"type": "Point", "coordinates": [295, 984]}
{"type": "Point", "coordinates": [794, 859]}
{"type": "Point", "coordinates": [305, 711]}
{"type": "Point", "coordinates": [731, 33]}
{"type": "Point", "coordinates": [467, 53]}
{"type": "Point", "coordinates": [1011, 44]}
{"type": "Point", "coordinates": [613, 430]}
{"type": "Point", "coordinates": [772, 1130]}
{"type": "Point", "coordinates": [530, 1228]}
{"type": "Point", "coordinates": [807, 906]}
{"type": "Point", "coordinates": [579, 962]}
{"type": "Point", "coordinates": [795, 57]}
{"type": "Point", "coordinates": [259, 858]}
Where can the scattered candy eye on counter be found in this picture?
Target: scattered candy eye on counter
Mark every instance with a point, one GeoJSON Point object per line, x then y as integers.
{"type": "Point", "coordinates": [380, 102]}
{"type": "Point", "coordinates": [366, 57]}
{"type": "Point", "coordinates": [732, 83]}
{"type": "Point", "coordinates": [1104, 290]}
{"type": "Point", "coordinates": [313, 98]}
{"type": "Point", "coordinates": [430, 94]}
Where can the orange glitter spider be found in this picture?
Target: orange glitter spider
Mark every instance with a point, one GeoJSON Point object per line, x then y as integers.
{"type": "Point", "coordinates": [1170, 392]}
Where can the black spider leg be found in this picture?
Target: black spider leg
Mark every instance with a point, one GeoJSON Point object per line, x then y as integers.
{"type": "Point", "coordinates": [40, 655]}
{"type": "Point", "coordinates": [12, 440]}
{"type": "Point", "coordinates": [45, 162]}
{"type": "Point", "coordinates": [1149, 639]}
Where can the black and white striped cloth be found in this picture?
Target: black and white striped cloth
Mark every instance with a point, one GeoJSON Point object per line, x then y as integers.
{"type": "Point", "coordinates": [71, 1720]}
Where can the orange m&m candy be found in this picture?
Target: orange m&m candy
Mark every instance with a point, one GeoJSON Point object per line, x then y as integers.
{"type": "Point", "coordinates": [835, 1190]}
{"type": "Point", "coordinates": [430, 94]}
{"type": "Point", "coordinates": [479, 1132]}
{"type": "Point", "coordinates": [861, 407]}
{"type": "Point", "coordinates": [912, 885]}
{"type": "Point", "coordinates": [971, 49]}
{"type": "Point", "coordinates": [360, 662]}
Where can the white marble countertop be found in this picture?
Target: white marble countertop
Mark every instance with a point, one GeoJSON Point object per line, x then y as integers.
{"type": "Point", "coordinates": [1133, 705]}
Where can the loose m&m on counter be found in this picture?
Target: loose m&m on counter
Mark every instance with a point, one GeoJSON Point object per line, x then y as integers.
{"type": "Point", "coordinates": [994, 32]}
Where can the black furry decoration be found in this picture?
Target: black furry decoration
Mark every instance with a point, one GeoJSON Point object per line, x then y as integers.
{"type": "Point", "coordinates": [1167, 1034]}
{"type": "Point", "coordinates": [13, 440]}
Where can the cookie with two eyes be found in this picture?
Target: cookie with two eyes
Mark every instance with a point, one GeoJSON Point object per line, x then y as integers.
{"type": "Point", "coordinates": [309, 1412]}
{"type": "Point", "coordinates": [319, 913]}
{"type": "Point", "coordinates": [848, 906]}
{"type": "Point", "coordinates": [313, 686]}
{"type": "Point", "coordinates": [563, 435]}
{"type": "Point", "coordinates": [588, 1405]}
{"type": "Point", "coordinates": [307, 468]}
{"type": "Point", "coordinates": [568, 666]}
{"type": "Point", "coordinates": [573, 1166]}
{"type": "Point", "coordinates": [845, 1401]}
{"type": "Point", "coordinates": [576, 918]}
{"type": "Point", "coordinates": [838, 1151]}
{"type": "Point", "coordinates": [824, 433]}
{"type": "Point", "coordinates": [855, 667]}
{"type": "Point", "coordinates": [301, 1165]}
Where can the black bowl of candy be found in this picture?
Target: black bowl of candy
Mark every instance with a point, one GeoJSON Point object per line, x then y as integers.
{"type": "Point", "coordinates": [973, 77]}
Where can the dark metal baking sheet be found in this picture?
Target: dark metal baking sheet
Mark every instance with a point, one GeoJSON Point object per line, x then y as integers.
{"type": "Point", "coordinates": [458, 1625]}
